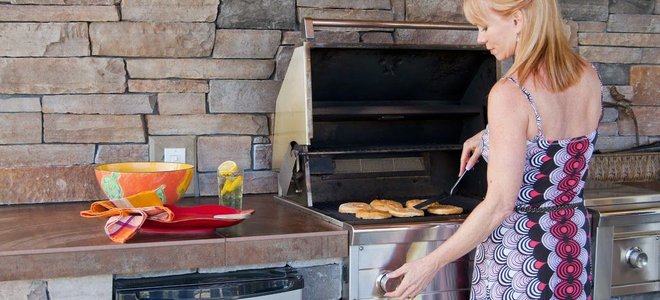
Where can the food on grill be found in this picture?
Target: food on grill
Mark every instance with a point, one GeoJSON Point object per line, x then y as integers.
{"type": "Point", "coordinates": [372, 214]}
{"type": "Point", "coordinates": [412, 202]}
{"type": "Point", "coordinates": [445, 210]}
{"type": "Point", "coordinates": [406, 212]}
{"type": "Point", "coordinates": [352, 207]}
{"type": "Point", "coordinates": [385, 205]}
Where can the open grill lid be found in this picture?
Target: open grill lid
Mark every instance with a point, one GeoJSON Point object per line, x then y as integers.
{"type": "Point", "coordinates": [328, 83]}
{"type": "Point", "coordinates": [339, 104]}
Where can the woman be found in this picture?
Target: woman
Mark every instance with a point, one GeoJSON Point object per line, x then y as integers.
{"type": "Point", "coordinates": [531, 231]}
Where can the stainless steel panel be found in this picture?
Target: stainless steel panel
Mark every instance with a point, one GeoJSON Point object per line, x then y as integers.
{"type": "Point", "coordinates": [624, 273]}
{"type": "Point", "coordinates": [602, 262]}
{"type": "Point", "coordinates": [632, 289]}
{"type": "Point", "coordinates": [406, 233]}
{"type": "Point", "coordinates": [447, 280]}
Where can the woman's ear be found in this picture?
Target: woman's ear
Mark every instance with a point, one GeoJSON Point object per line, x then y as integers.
{"type": "Point", "coordinates": [518, 20]}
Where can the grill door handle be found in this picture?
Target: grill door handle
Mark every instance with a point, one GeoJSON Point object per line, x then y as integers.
{"type": "Point", "coordinates": [309, 23]}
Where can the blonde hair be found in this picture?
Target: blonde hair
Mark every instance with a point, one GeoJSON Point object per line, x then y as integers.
{"type": "Point", "coordinates": [542, 42]}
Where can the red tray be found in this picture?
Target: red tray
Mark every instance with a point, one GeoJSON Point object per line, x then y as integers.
{"type": "Point", "coordinates": [195, 219]}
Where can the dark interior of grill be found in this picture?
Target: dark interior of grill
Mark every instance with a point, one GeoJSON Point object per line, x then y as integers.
{"type": "Point", "coordinates": [389, 123]}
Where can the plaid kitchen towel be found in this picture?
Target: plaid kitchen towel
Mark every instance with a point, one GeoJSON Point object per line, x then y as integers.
{"type": "Point", "coordinates": [126, 215]}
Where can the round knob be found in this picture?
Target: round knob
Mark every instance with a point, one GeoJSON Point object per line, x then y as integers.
{"type": "Point", "coordinates": [636, 258]}
{"type": "Point", "coordinates": [385, 283]}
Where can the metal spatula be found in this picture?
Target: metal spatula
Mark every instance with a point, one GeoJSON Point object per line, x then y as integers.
{"type": "Point", "coordinates": [443, 196]}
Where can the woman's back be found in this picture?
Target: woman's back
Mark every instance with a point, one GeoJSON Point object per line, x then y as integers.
{"type": "Point", "coordinates": [571, 113]}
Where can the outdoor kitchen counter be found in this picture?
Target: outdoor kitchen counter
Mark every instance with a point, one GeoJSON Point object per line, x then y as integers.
{"type": "Point", "coordinates": [52, 240]}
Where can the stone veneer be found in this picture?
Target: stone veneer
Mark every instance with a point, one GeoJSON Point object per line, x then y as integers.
{"type": "Point", "coordinates": [84, 82]}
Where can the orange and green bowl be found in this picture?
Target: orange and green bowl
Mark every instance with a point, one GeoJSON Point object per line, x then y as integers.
{"type": "Point", "coordinates": [121, 180]}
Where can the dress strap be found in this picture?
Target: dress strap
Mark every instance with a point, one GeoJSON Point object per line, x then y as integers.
{"type": "Point", "coordinates": [531, 102]}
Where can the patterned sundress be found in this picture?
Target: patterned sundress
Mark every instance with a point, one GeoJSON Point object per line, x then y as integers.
{"type": "Point", "coordinates": [541, 255]}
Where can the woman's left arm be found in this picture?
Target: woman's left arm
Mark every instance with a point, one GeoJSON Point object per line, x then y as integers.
{"type": "Point", "coordinates": [508, 134]}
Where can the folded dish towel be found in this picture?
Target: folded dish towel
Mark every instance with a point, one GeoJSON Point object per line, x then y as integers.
{"type": "Point", "coordinates": [126, 215]}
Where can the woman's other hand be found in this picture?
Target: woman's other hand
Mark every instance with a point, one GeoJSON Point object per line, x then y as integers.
{"type": "Point", "coordinates": [471, 153]}
{"type": "Point", "coordinates": [416, 277]}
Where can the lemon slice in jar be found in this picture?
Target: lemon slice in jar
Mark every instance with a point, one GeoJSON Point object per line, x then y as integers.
{"type": "Point", "coordinates": [227, 168]}
{"type": "Point", "coordinates": [231, 185]}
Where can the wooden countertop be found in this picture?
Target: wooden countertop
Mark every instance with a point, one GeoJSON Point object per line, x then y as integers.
{"type": "Point", "coordinates": [52, 240]}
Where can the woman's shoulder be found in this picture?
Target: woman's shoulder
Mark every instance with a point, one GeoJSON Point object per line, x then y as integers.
{"type": "Point", "coordinates": [506, 90]}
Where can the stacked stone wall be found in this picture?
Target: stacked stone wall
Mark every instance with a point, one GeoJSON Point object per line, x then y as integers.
{"type": "Point", "coordinates": [84, 82]}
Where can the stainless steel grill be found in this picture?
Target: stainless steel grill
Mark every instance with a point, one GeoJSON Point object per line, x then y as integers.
{"type": "Point", "coordinates": [625, 237]}
{"type": "Point", "coordinates": [361, 122]}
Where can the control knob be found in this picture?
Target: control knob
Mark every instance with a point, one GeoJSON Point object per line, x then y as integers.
{"type": "Point", "coordinates": [636, 258]}
{"type": "Point", "coordinates": [385, 283]}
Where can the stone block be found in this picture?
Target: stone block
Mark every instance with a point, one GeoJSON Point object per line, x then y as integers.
{"type": "Point", "coordinates": [352, 4]}
{"type": "Point", "coordinates": [343, 14]}
{"type": "Point", "coordinates": [243, 96]}
{"type": "Point", "coordinates": [611, 54]}
{"type": "Point", "coordinates": [169, 10]}
{"type": "Point", "coordinates": [181, 103]}
{"type": "Point", "coordinates": [608, 129]}
{"type": "Point", "coordinates": [631, 7]}
{"type": "Point", "coordinates": [121, 153]}
{"type": "Point", "coordinates": [435, 37]}
{"type": "Point", "coordinates": [262, 155]}
{"type": "Point", "coordinates": [255, 182]}
{"type": "Point", "coordinates": [257, 14]}
{"type": "Point", "coordinates": [20, 104]}
{"type": "Point", "coordinates": [282, 60]}
{"type": "Point", "coordinates": [292, 38]}
{"type": "Point", "coordinates": [613, 74]}
{"type": "Point", "coordinates": [152, 39]}
{"type": "Point", "coordinates": [81, 288]}
{"type": "Point", "coordinates": [213, 150]}
{"type": "Point", "coordinates": [65, 128]}
{"type": "Point", "coordinates": [644, 82]}
{"type": "Point", "coordinates": [619, 39]}
{"type": "Point", "coordinates": [20, 128]}
{"type": "Point", "coordinates": [399, 9]}
{"type": "Point", "coordinates": [613, 143]}
{"type": "Point", "coordinates": [322, 282]}
{"type": "Point", "coordinates": [234, 43]}
{"type": "Point", "coordinates": [200, 68]}
{"type": "Point", "coordinates": [21, 289]}
{"type": "Point", "coordinates": [208, 124]}
{"type": "Point", "coordinates": [49, 184]}
{"type": "Point", "coordinates": [65, 2]}
{"type": "Point", "coordinates": [624, 90]}
{"type": "Point", "coordinates": [51, 13]}
{"type": "Point", "coordinates": [12, 156]}
{"type": "Point", "coordinates": [435, 11]}
{"type": "Point", "coordinates": [647, 120]}
{"type": "Point", "coordinates": [651, 56]}
{"type": "Point", "coordinates": [377, 38]}
{"type": "Point", "coordinates": [633, 23]}
{"type": "Point", "coordinates": [84, 75]}
{"type": "Point", "coordinates": [610, 114]}
{"type": "Point", "coordinates": [588, 26]}
{"type": "Point", "coordinates": [168, 86]}
{"type": "Point", "coordinates": [584, 10]}
{"type": "Point", "coordinates": [108, 104]}
{"type": "Point", "coordinates": [44, 39]}
{"type": "Point", "coordinates": [348, 37]}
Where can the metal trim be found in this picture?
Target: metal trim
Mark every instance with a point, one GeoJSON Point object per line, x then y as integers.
{"type": "Point", "coordinates": [309, 23]}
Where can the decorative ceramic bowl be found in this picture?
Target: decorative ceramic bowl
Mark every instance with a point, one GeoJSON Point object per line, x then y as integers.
{"type": "Point", "coordinates": [169, 180]}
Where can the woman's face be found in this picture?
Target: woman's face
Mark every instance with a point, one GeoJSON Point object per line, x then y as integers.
{"type": "Point", "coordinates": [498, 35]}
